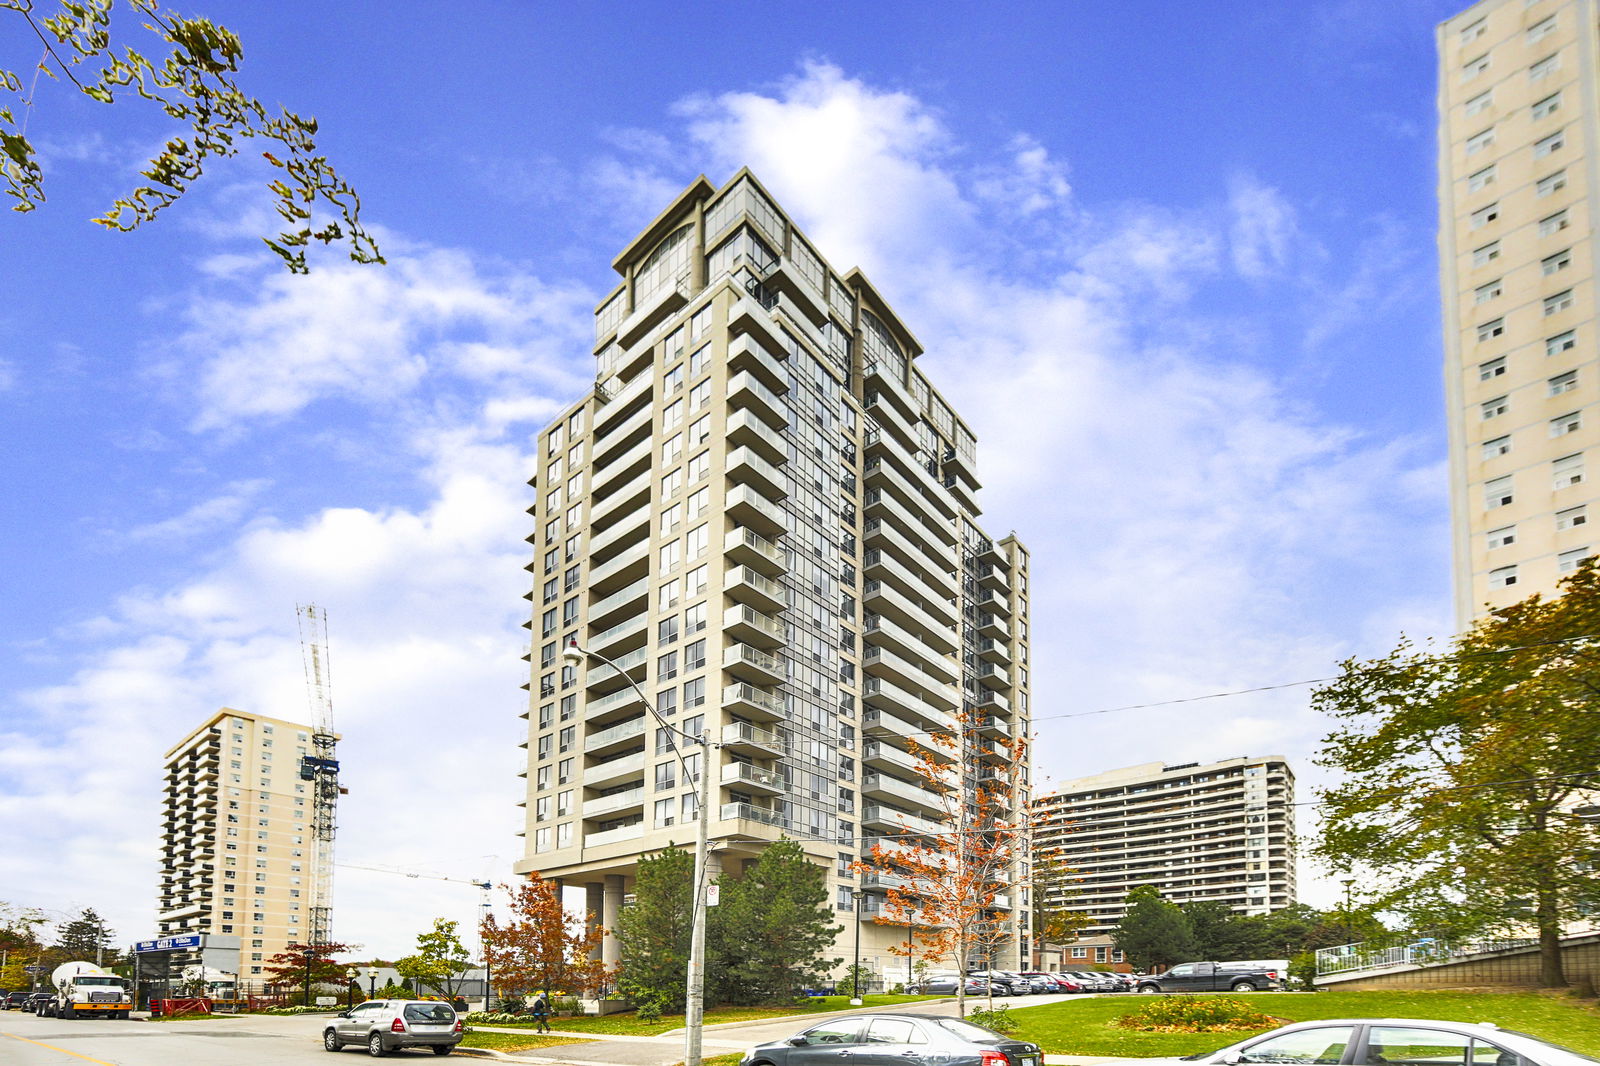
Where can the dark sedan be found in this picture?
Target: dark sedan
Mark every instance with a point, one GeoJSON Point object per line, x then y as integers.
{"type": "Point", "coordinates": [895, 1040]}
{"type": "Point", "coordinates": [14, 1000]}
{"type": "Point", "coordinates": [945, 985]}
{"type": "Point", "coordinates": [1389, 1042]}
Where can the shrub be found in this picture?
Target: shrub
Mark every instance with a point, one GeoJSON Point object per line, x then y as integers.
{"type": "Point", "coordinates": [1192, 1014]}
{"type": "Point", "coordinates": [479, 1017]}
{"type": "Point", "coordinates": [999, 1019]}
{"type": "Point", "coordinates": [302, 1010]}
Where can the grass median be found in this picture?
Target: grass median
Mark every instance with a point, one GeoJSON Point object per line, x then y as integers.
{"type": "Point", "coordinates": [517, 1041]}
{"type": "Point", "coordinates": [631, 1025]}
{"type": "Point", "coordinates": [1088, 1027]}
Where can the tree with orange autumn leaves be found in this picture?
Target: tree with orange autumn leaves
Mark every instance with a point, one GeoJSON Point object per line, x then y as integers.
{"type": "Point", "coordinates": [952, 881]}
{"type": "Point", "coordinates": [541, 947]}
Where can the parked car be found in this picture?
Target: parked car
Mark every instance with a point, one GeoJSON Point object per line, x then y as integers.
{"type": "Point", "coordinates": [1097, 981]}
{"type": "Point", "coordinates": [1211, 977]}
{"type": "Point", "coordinates": [37, 1001]}
{"type": "Point", "coordinates": [1014, 983]}
{"type": "Point", "coordinates": [1362, 1041]}
{"type": "Point", "coordinates": [14, 1001]}
{"type": "Point", "coordinates": [1042, 983]}
{"type": "Point", "coordinates": [385, 1025]}
{"type": "Point", "coordinates": [911, 1040]}
{"type": "Point", "coordinates": [945, 985]}
{"type": "Point", "coordinates": [1066, 982]}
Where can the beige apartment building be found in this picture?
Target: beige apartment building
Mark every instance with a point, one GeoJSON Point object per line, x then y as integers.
{"type": "Point", "coordinates": [1221, 831]}
{"type": "Point", "coordinates": [1517, 188]}
{"type": "Point", "coordinates": [765, 515]}
{"type": "Point", "coordinates": [237, 855]}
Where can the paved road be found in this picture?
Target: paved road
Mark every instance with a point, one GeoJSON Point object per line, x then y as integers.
{"type": "Point", "coordinates": [245, 1041]}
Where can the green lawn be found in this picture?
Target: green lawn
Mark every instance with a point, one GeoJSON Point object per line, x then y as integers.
{"type": "Point", "coordinates": [516, 1041]}
{"type": "Point", "coordinates": [1086, 1027]}
{"type": "Point", "coordinates": [630, 1025]}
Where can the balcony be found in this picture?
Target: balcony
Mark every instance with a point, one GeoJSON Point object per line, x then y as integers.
{"type": "Point", "coordinates": [894, 427]}
{"type": "Point", "coordinates": [882, 882]}
{"type": "Point", "coordinates": [616, 803]}
{"type": "Point", "coordinates": [879, 662]}
{"type": "Point", "coordinates": [965, 492]}
{"type": "Point", "coordinates": [752, 664]}
{"type": "Point", "coordinates": [918, 615]}
{"type": "Point", "coordinates": [881, 756]}
{"type": "Point", "coordinates": [992, 751]}
{"type": "Point", "coordinates": [995, 651]}
{"type": "Point", "coordinates": [615, 737]}
{"type": "Point", "coordinates": [992, 577]}
{"type": "Point", "coordinates": [746, 776]}
{"type": "Point", "coordinates": [615, 771]}
{"type": "Point", "coordinates": [887, 634]}
{"type": "Point", "coordinates": [621, 569]}
{"type": "Point", "coordinates": [992, 703]}
{"type": "Point", "coordinates": [614, 836]}
{"type": "Point", "coordinates": [748, 316]}
{"type": "Point", "coordinates": [618, 403]}
{"type": "Point", "coordinates": [753, 702]}
{"type": "Point", "coordinates": [745, 545]}
{"type": "Point", "coordinates": [990, 726]}
{"type": "Point", "coordinates": [749, 508]}
{"type": "Point", "coordinates": [882, 786]}
{"type": "Point", "coordinates": [627, 431]}
{"type": "Point", "coordinates": [609, 641]}
{"type": "Point", "coordinates": [744, 585]}
{"type": "Point", "coordinates": [995, 602]}
{"type": "Point", "coordinates": [747, 353]}
{"type": "Point", "coordinates": [601, 673]}
{"type": "Point", "coordinates": [747, 739]}
{"type": "Point", "coordinates": [610, 706]}
{"type": "Point", "coordinates": [749, 812]}
{"type": "Point", "coordinates": [745, 390]}
{"type": "Point", "coordinates": [931, 506]}
{"type": "Point", "coordinates": [747, 467]}
{"type": "Point", "coordinates": [633, 494]}
{"type": "Point", "coordinates": [993, 676]}
{"type": "Point", "coordinates": [928, 537]}
{"type": "Point", "coordinates": [890, 820]}
{"type": "Point", "coordinates": [629, 599]}
{"type": "Point", "coordinates": [912, 571]}
{"type": "Point", "coordinates": [654, 309]}
{"type": "Point", "coordinates": [887, 696]}
{"type": "Point", "coordinates": [992, 625]}
{"type": "Point", "coordinates": [631, 528]}
{"type": "Point", "coordinates": [746, 428]}
{"type": "Point", "coordinates": [633, 461]}
{"type": "Point", "coordinates": [751, 626]}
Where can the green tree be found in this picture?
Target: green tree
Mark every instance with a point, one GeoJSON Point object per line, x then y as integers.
{"type": "Point", "coordinates": [289, 967]}
{"type": "Point", "coordinates": [441, 960]}
{"type": "Point", "coordinates": [81, 937]}
{"type": "Point", "coordinates": [1219, 932]}
{"type": "Point", "coordinates": [1154, 933]}
{"type": "Point", "coordinates": [653, 934]}
{"type": "Point", "coordinates": [1464, 773]}
{"type": "Point", "coordinates": [766, 936]}
{"type": "Point", "coordinates": [194, 83]}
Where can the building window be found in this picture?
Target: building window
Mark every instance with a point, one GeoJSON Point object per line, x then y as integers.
{"type": "Point", "coordinates": [1503, 577]}
{"type": "Point", "coordinates": [1494, 408]}
{"type": "Point", "coordinates": [1493, 368]}
{"type": "Point", "coordinates": [694, 655]}
{"type": "Point", "coordinates": [1552, 264]}
{"type": "Point", "coordinates": [1499, 538]}
{"type": "Point", "coordinates": [1080, 953]}
{"type": "Point", "coordinates": [672, 415]}
{"type": "Point", "coordinates": [1490, 330]}
{"type": "Point", "coordinates": [1554, 305]}
{"type": "Point", "coordinates": [1544, 68]}
{"type": "Point", "coordinates": [670, 555]}
{"type": "Point", "coordinates": [669, 594]}
{"type": "Point", "coordinates": [1481, 140]}
{"type": "Point", "coordinates": [1484, 215]}
{"type": "Point", "coordinates": [697, 541]}
{"type": "Point", "coordinates": [672, 484]}
{"type": "Point", "coordinates": [700, 430]}
{"type": "Point", "coordinates": [1484, 293]}
{"type": "Point", "coordinates": [700, 395]}
{"type": "Point", "coordinates": [1540, 30]}
{"type": "Point", "coordinates": [694, 619]}
{"type": "Point", "coordinates": [1497, 492]}
{"type": "Point", "coordinates": [667, 666]}
{"type": "Point", "coordinates": [672, 381]}
{"type": "Point", "coordinates": [666, 776]}
{"type": "Point", "coordinates": [1548, 106]}
{"type": "Point", "coordinates": [1546, 145]}
{"type": "Point", "coordinates": [1481, 179]}
{"type": "Point", "coordinates": [1563, 383]}
{"type": "Point", "coordinates": [1487, 254]}
{"type": "Point", "coordinates": [672, 449]}
{"type": "Point", "coordinates": [1551, 183]}
{"type": "Point", "coordinates": [670, 517]}
{"type": "Point", "coordinates": [1480, 103]}
{"type": "Point", "coordinates": [1572, 517]}
{"type": "Point", "coordinates": [1553, 223]}
{"type": "Point", "coordinates": [1568, 560]}
{"type": "Point", "coordinates": [695, 581]}
{"type": "Point", "coordinates": [1473, 67]}
{"type": "Point", "coordinates": [694, 693]}
{"type": "Point", "coordinates": [1493, 449]}
{"type": "Point", "coordinates": [1567, 471]}
{"type": "Point", "coordinates": [699, 500]}
{"type": "Point", "coordinates": [1473, 31]}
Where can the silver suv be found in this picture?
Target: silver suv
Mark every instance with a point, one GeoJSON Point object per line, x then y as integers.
{"type": "Point", "coordinates": [386, 1025]}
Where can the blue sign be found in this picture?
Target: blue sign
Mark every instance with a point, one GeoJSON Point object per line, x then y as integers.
{"type": "Point", "coordinates": [168, 943]}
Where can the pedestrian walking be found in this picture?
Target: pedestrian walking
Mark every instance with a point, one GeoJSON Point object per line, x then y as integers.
{"type": "Point", "coordinates": [540, 1010]}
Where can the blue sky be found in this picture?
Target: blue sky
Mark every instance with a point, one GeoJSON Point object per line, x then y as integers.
{"type": "Point", "coordinates": [1174, 262]}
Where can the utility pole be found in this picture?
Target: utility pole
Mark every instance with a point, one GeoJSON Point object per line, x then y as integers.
{"type": "Point", "coordinates": [321, 767]}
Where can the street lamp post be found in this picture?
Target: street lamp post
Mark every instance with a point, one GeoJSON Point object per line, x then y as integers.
{"type": "Point", "coordinates": [350, 976]}
{"type": "Point", "coordinates": [695, 981]}
{"type": "Point", "coordinates": [307, 998]}
{"type": "Point", "coordinates": [855, 971]}
{"type": "Point", "coordinates": [372, 982]}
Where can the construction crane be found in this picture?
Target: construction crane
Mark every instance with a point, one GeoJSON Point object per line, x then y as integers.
{"type": "Point", "coordinates": [321, 767]}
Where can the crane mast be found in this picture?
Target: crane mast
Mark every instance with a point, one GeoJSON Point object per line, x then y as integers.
{"type": "Point", "coordinates": [320, 767]}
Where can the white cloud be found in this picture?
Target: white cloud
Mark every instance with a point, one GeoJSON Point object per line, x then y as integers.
{"type": "Point", "coordinates": [205, 516]}
{"type": "Point", "coordinates": [1264, 228]}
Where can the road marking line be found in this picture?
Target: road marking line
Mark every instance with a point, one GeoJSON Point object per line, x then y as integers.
{"type": "Point", "coordinates": [64, 1051]}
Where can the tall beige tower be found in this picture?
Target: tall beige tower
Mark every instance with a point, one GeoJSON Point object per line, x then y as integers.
{"type": "Point", "coordinates": [1518, 151]}
{"type": "Point", "coordinates": [766, 516]}
{"type": "Point", "coordinates": [236, 851]}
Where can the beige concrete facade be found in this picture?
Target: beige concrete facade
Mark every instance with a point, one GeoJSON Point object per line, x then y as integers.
{"type": "Point", "coordinates": [1221, 831]}
{"type": "Point", "coordinates": [237, 852]}
{"type": "Point", "coordinates": [1517, 185]}
{"type": "Point", "coordinates": [765, 515]}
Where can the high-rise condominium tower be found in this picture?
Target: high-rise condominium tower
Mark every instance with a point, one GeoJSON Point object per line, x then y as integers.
{"type": "Point", "coordinates": [765, 515]}
{"type": "Point", "coordinates": [1517, 197]}
{"type": "Point", "coordinates": [236, 854]}
{"type": "Point", "coordinates": [1221, 832]}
